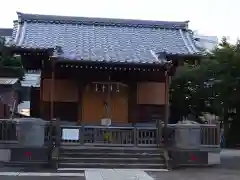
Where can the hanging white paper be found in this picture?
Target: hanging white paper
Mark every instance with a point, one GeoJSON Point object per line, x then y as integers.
{"type": "Point", "coordinates": [70, 134]}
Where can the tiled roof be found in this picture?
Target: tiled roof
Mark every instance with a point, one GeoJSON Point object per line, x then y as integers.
{"type": "Point", "coordinates": [8, 81]}
{"type": "Point", "coordinates": [101, 39]}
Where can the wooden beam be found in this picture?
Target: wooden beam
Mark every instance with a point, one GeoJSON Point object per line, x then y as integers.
{"type": "Point", "coordinates": [166, 112]}
{"type": "Point", "coordinates": [41, 96]}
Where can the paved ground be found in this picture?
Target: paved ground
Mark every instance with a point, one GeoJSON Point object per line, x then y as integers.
{"type": "Point", "coordinates": [198, 174]}
{"type": "Point", "coordinates": [40, 178]}
{"type": "Point", "coordinates": [228, 170]}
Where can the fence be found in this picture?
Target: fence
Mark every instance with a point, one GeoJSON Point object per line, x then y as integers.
{"type": "Point", "coordinates": [210, 135]}
{"type": "Point", "coordinates": [135, 136]}
{"type": "Point", "coordinates": [109, 136]}
{"type": "Point", "coordinates": [114, 136]}
{"type": "Point", "coordinates": [8, 133]}
{"type": "Point", "coordinates": [12, 133]}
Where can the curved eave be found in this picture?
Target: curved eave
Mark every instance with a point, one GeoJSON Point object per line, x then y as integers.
{"type": "Point", "coordinates": [107, 63]}
{"type": "Point", "coordinates": [188, 40]}
{"type": "Point", "coordinates": [27, 50]}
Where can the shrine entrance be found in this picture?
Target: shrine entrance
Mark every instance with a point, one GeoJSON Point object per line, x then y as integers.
{"type": "Point", "coordinates": [105, 100]}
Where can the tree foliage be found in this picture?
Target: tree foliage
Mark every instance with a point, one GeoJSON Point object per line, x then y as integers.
{"type": "Point", "coordinates": [213, 86]}
{"type": "Point", "coordinates": [8, 61]}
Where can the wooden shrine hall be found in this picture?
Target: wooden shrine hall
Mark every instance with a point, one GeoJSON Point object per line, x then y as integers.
{"type": "Point", "coordinates": [96, 69]}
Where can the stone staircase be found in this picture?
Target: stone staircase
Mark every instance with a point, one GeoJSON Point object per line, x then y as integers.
{"type": "Point", "coordinates": [111, 157]}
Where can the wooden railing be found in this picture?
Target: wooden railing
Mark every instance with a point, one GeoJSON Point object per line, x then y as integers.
{"type": "Point", "coordinates": [135, 136]}
{"type": "Point", "coordinates": [8, 132]}
{"type": "Point", "coordinates": [109, 136]}
{"type": "Point", "coordinates": [143, 136]}
{"type": "Point", "coordinates": [209, 135]}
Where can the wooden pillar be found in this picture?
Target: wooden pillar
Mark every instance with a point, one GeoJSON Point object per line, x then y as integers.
{"type": "Point", "coordinates": [80, 104]}
{"type": "Point", "coordinates": [109, 98]}
{"type": "Point", "coordinates": [52, 88]}
{"type": "Point", "coordinates": [166, 99]}
{"type": "Point", "coordinates": [41, 97]}
{"type": "Point", "coordinates": [166, 105]}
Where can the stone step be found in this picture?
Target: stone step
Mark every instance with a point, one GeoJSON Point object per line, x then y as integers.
{"type": "Point", "coordinates": [109, 155]}
{"type": "Point", "coordinates": [112, 165]}
{"type": "Point", "coordinates": [110, 150]}
{"type": "Point", "coordinates": [112, 160]}
{"type": "Point", "coordinates": [32, 164]}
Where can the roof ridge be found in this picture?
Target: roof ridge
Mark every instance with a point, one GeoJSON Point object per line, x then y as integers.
{"type": "Point", "coordinates": [101, 21]}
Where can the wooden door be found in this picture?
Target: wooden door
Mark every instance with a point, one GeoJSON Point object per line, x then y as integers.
{"type": "Point", "coordinates": [94, 107]}
{"type": "Point", "coordinates": [119, 107]}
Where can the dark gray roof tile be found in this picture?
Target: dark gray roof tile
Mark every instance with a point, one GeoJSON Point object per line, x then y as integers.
{"type": "Point", "coordinates": [100, 21]}
{"type": "Point", "coordinates": [99, 39]}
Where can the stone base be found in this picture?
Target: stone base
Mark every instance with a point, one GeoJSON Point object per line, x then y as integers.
{"type": "Point", "coordinates": [180, 158]}
{"type": "Point", "coordinates": [17, 156]}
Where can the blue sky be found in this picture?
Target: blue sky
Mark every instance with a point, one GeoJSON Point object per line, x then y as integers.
{"type": "Point", "coordinates": [209, 17]}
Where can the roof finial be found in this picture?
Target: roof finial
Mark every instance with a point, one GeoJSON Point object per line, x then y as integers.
{"type": "Point", "coordinates": [19, 14]}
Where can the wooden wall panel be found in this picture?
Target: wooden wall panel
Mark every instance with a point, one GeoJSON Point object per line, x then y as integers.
{"type": "Point", "coordinates": [65, 111]}
{"type": "Point", "coordinates": [151, 93]}
{"type": "Point", "coordinates": [64, 91]}
{"type": "Point", "coordinates": [150, 113]}
{"type": "Point", "coordinates": [132, 103]}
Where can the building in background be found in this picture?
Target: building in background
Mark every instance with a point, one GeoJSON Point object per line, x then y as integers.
{"type": "Point", "coordinates": [9, 96]}
{"type": "Point", "coordinates": [6, 33]}
{"type": "Point", "coordinates": [30, 80]}
{"type": "Point", "coordinates": [208, 43]}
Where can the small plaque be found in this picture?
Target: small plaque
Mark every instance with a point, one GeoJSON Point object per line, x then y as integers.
{"type": "Point", "coordinates": [70, 134]}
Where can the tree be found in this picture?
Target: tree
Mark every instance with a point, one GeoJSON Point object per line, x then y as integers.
{"type": "Point", "coordinates": [213, 86]}
{"type": "Point", "coordinates": [8, 61]}
{"type": "Point", "coordinates": [210, 86]}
